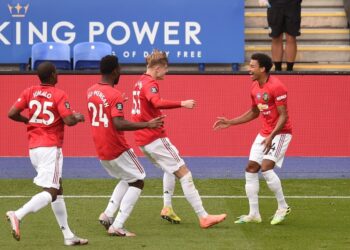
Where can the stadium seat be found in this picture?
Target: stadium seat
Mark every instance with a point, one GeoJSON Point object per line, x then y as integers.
{"type": "Point", "coordinates": [87, 55]}
{"type": "Point", "coordinates": [57, 53]}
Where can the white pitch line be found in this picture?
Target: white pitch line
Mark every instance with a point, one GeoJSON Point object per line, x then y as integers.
{"type": "Point", "coordinates": [182, 197]}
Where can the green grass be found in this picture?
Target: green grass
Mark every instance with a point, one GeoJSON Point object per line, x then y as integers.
{"type": "Point", "coordinates": [313, 223]}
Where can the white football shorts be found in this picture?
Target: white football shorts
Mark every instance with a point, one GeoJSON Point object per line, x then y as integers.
{"type": "Point", "coordinates": [125, 167]}
{"type": "Point", "coordinates": [47, 162]}
{"type": "Point", "coordinates": [277, 152]}
{"type": "Point", "coordinates": [164, 155]}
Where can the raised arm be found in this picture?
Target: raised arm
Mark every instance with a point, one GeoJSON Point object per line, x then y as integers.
{"type": "Point", "coordinates": [223, 122]}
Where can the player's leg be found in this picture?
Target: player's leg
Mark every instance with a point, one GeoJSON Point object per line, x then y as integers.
{"type": "Point", "coordinates": [166, 156]}
{"type": "Point", "coordinates": [43, 161]}
{"type": "Point", "coordinates": [252, 182]}
{"type": "Point", "coordinates": [127, 168]}
{"type": "Point", "coordinates": [171, 161]}
{"type": "Point", "coordinates": [168, 213]}
{"type": "Point", "coordinates": [36, 203]}
{"type": "Point", "coordinates": [126, 206]}
{"type": "Point", "coordinates": [107, 217]}
{"type": "Point", "coordinates": [192, 196]}
{"type": "Point", "coordinates": [275, 158]}
{"type": "Point", "coordinates": [252, 191]}
{"type": "Point", "coordinates": [152, 151]}
{"type": "Point", "coordinates": [60, 211]}
{"type": "Point", "coordinates": [169, 181]}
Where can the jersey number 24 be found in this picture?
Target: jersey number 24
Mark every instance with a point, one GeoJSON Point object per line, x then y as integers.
{"type": "Point", "coordinates": [101, 117]}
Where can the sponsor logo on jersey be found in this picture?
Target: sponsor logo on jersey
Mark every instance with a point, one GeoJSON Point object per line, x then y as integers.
{"type": "Point", "coordinates": [263, 107]}
{"type": "Point", "coordinates": [67, 105]}
{"type": "Point", "coordinates": [154, 90]}
{"type": "Point", "coordinates": [119, 106]}
{"type": "Point", "coordinates": [258, 96]}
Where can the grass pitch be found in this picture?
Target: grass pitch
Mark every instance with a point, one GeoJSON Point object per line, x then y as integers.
{"type": "Point", "coordinates": [316, 221]}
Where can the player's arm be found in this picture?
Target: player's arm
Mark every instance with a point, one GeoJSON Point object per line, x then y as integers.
{"type": "Point", "coordinates": [223, 122]}
{"type": "Point", "coordinates": [73, 119]}
{"type": "Point", "coordinates": [282, 119]}
{"type": "Point", "coordinates": [160, 103]}
{"type": "Point", "coordinates": [15, 114]}
{"type": "Point", "coordinates": [124, 125]}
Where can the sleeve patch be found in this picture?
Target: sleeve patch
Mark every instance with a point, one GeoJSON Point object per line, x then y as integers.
{"type": "Point", "coordinates": [154, 90]}
{"type": "Point", "coordinates": [66, 103]}
{"type": "Point", "coordinates": [119, 106]}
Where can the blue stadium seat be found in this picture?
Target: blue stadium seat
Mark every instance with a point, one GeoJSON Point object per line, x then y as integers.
{"type": "Point", "coordinates": [57, 53]}
{"type": "Point", "coordinates": [88, 55]}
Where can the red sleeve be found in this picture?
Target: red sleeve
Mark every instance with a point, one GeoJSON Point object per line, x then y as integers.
{"type": "Point", "coordinates": [152, 94]}
{"type": "Point", "coordinates": [117, 107]}
{"type": "Point", "coordinates": [253, 100]}
{"type": "Point", "coordinates": [165, 104]}
{"type": "Point", "coordinates": [22, 101]}
{"type": "Point", "coordinates": [63, 106]}
{"type": "Point", "coordinates": [280, 94]}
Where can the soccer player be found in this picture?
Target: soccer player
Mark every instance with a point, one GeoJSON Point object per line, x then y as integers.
{"type": "Point", "coordinates": [269, 100]}
{"type": "Point", "coordinates": [156, 145]}
{"type": "Point", "coordinates": [105, 104]}
{"type": "Point", "coordinates": [49, 111]}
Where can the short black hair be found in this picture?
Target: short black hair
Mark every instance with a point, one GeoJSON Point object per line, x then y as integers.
{"type": "Point", "coordinates": [108, 64]}
{"type": "Point", "coordinates": [263, 60]}
{"type": "Point", "coordinates": [45, 71]}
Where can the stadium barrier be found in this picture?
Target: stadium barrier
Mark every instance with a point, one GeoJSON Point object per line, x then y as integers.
{"type": "Point", "coordinates": [318, 106]}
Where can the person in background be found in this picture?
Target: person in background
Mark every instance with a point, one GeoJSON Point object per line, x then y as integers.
{"type": "Point", "coordinates": [347, 10]}
{"type": "Point", "coordinates": [49, 111]}
{"type": "Point", "coordinates": [283, 17]}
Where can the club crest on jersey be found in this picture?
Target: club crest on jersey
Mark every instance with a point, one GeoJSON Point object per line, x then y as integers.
{"type": "Point", "coordinates": [266, 97]}
{"type": "Point", "coordinates": [154, 90]}
{"type": "Point", "coordinates": [119, 106]}
{"type": "Point", "coordinates": [67, 105]}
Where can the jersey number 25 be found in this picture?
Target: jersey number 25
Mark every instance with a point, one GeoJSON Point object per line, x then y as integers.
{"type": "Point", "coordinates": [41, 109]}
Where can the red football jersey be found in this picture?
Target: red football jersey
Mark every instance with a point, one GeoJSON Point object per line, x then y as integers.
{"type": "Point", "coordinates": [267, 98]}
{"type": "Point", "coordinates": [104, 103]}
{"type": "Point", "coordinates": [47, 106]}
{"type": "Point", "coordinates": [147, 105]}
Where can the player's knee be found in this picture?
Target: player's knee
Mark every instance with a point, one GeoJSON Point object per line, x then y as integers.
{"type": "Point", "coordinates": [53, 192]}
{"type": "Point", "coordinates": [138, 184]}
{"type": "Point", "coordinates": [60, 191]}
{"type": "Point", "coordinates": [252, 167]}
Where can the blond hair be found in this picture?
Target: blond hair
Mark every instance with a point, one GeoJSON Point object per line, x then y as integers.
{"type": "Point", "coordinates": [157, 57]}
